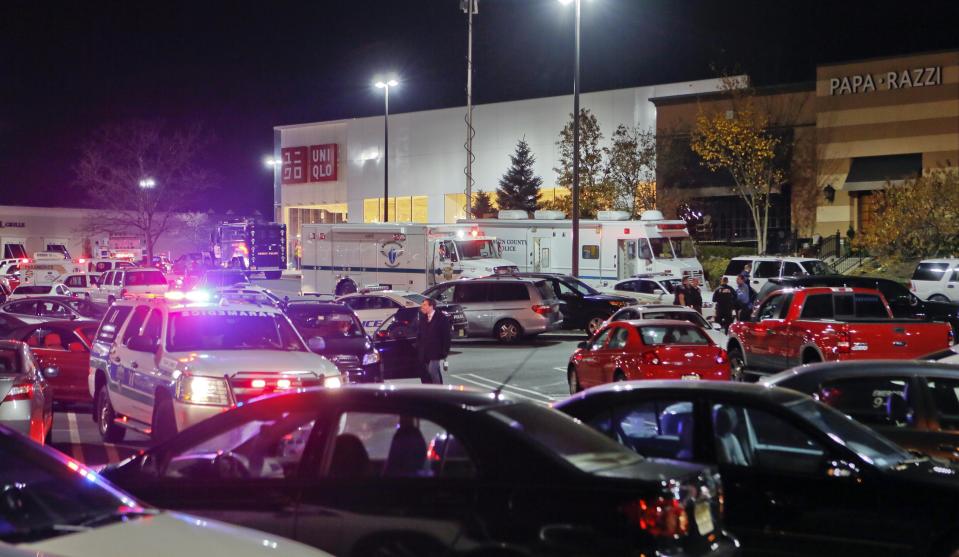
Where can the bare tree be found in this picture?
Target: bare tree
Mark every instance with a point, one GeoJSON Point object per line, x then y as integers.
{"type": "Point", "coordinates": [631, 169]}
{"type": "Point", "coordinates": [140, 174]}
{"type": "Point", "coordinates": [194, 221]}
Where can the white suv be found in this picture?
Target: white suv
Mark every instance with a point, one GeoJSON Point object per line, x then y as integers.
{"type": "Point", "coordinates": [130, 282]}
{"type": "Point", "coordinates": [765, 267]}
{"type": "Point", "coordinates": [936, 280]}
{"type": "Point", "coordinates": [158, 367]}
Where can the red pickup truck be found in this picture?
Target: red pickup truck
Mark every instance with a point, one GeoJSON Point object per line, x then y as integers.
{"type": "Point", "coordinates": [806, 325]}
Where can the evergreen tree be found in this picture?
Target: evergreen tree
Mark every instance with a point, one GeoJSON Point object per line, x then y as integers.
{"type": "Point", "coordinates": [519, 187]}
{"type": "Point", "coordinates": [482, 205]}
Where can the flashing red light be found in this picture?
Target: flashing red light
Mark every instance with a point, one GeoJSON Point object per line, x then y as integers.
{"type": "Point", "coordinates": [625, 231]}
{"type": "Point", "coordinates": [474, 233]}
{"type": "Point", "coordinates": [676, 226]}
{"type": "Point", "coordinates": [24, 260]}
{"type": "Point", "coordinates": [81, 260]}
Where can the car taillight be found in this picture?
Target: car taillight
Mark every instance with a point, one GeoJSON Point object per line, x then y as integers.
{"type": "Point", "coordinates": [843, 342]}
{"type": "Point", "coordinates": [721, 358]}
{"type": "Point", "coordinates": [651, 358]}
{"type": "Point", "coordinates": [661, 517]}
{"type": "Point", "coordinates": [19, 391]}
{"type": "Point", "coordinates": [542, 310]}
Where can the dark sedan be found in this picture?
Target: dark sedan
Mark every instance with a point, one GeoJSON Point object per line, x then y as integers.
{"type": "Point", "coordinates": [916, 404]}
{"type": "Point", "coordinates": [800, 478]}
{"type": "Point", "coordinates": [345, 342]}
{"type": "Point", "coordinates": [372, 470]}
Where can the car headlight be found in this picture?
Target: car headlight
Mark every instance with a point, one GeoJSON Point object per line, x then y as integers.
{"type": "Point", "coordinates": [202, 390]}
{"type": "Point", "coordinates": [371, 358]}
{"type": "Point", "coordinates": [332, 382]}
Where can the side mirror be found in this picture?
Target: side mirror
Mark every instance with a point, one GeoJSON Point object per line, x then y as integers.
{"type": "Point", "coordinates": [142, 343]}
{"type": "Point", "coordinates": [316, 344]}
{"type": "Point", "coordinates": [658, 291]}
{"type": "Point", "coordinates": [51, 372]}
{"type": "Point", "coordinates": [582, 345]}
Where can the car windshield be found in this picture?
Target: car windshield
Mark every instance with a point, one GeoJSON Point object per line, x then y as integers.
{"type": "Point", "coordinates": [144, 278]}
{"type": "Point", "coordinates": [671, 284]}
{"type": "Point", "coordinates": [228, 278]}
{"type": "Point", "coordinates": [683, 247]}
{"type": "Point", "coordinates": [817, 267]}
{"type": "Point", "coordinates": [869, 445]}
{"type": "Point", "coordinates": [579, 286]}
{"type": "Point", "coordinates": [32, 290]}
{"type": "Point", "coordinates": [325, 322]}
{"type": "Point", "coordinates": [672, 334]}
{"type": "Point", "coordinates": [477, 249]}
{"type": "Point", "coordinates": [86, 309]}
{"type": "Point", "coordinates": [221, 329]}
{"type": "Point", "coordinates": [565, 437]}
{"type": "Point", "coordinates": [415, 298]}
{"type": "Point", "coordinates": [690, 316]}
{"type": "Point", "coordinates": [47, 497]}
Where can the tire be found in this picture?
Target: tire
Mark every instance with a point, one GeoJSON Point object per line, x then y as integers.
{"type": "Point", "coordinates": [109, 431]}
{"type": "Point", "coordinates": [508, 331]}
{"type": "Point", "coordinates": [273, 275]}
{"type": "Point", "coordinates": [737, 363]}
{"type": "Point", "coordinates": [572, 379]}
{"type": "Point", "coordinates": [594, 323]}
{"type": "Point", "coordinates": [619, 376]}
{"type": "Point", "coordinates": [344, 287]}
{"type": "Point", "coordinates": [939, 298]}
{"type": "Point", "coordinates": [164, 422]}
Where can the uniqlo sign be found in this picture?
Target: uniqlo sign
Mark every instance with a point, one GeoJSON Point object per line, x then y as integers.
{"type": "Point", "coordinates": [321, 165]}
{"type": "Point", "coordinates": [294, 165]}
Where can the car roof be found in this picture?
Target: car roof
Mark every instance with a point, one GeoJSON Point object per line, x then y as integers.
{"type": "Point", "coordinates": [510, 278]}
{"type": "Point", "coordinates": [65, 323]}
{"type": "Point", "coordinates": [129, 269]}
{"type": "Point", "coordinates": [862, 368]}
{"type": "Point", "coordinates": [175, 305]}
{"type": "Point", "coordinates": [772, 258]}
{"type": "Point", "coordinates": [325, 304]}
{"type": "Point", "coordinates": [453, 396]}
{"type": "Point", "coordinates": [775, 395]}
{"type": "Point", "coordinates": [830, 278]}
{"type": "Point", "coordinates": [662, 307]}
{"type": "Point", "coordinates": [10, 343]}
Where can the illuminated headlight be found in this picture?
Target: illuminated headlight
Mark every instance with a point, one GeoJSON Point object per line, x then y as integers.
{"type": "Point", "coordinates": [332, 382]}
{"type": "Point", "coordinates": [371, 358]}
{"type": "Point", "coordinates": [202, 390]}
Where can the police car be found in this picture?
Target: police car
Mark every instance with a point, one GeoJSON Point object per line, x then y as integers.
{"type": "Point", "coordinates": [373, 307]}
{"type": "Point", "coordinates": [159, 365]}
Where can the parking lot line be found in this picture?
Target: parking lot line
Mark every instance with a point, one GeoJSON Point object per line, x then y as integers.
{"type": "Point", "coordinates": [513, 390]}
{"type": "Point", "coordinates": [76, 448]}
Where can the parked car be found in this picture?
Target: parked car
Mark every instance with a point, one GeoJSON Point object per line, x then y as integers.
{"type": "Point", "coordinates": [52, 308]}
{"type": "Point", "coordinates": [221, 278]}
{"type": "Point", "coordinates": [129, 282]}
{"type": "Point", "coordinates": [799, 477]}
{"type": "Point", "coordinates": [916, 404]}
{"type": "Point", "coordinates": [646, 349]}
{"type": "Point", "coordinates": [669, 311]}
{"type": "Point", "coordinates": [82, 285]}
{"type": "Point", "coordinates": [505, 308]}
{"type": "Point", "coordinates": [429, 471]}
{"type": "Point", "coordinates": [374, 306]}
{"type": "Point", "coordinates": [53, 505]}
{"type": "Point", "coordinates": [26, 399]}
{"type": "Point", "coordinates": [659, 289]}
{"type": "Point", "coordinates": [9, 323]}
{"type": "Point", "coordinates": [64, 345]}
{"type": "Point", "coordinates": [345, 342]}
{"type": "Point", "coordinates": [769, 267]}
{"type": "Point", "coordinates": [34, 290]}
{"type": "Point", "coordinates": [936, 280]}
{"type": "Point", "coordinates": [902, 302]}
{"type": "Point", "coordinates": [396, 342]}
{"type": "Point", "coordinates": [818, 324]}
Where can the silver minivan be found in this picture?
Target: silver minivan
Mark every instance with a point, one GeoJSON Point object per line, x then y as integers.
{"type": "Point", "coordinates": [505, 308]}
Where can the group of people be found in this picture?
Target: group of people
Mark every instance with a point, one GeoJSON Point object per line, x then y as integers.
{"type": "Point", "coordinates": [730, 303]}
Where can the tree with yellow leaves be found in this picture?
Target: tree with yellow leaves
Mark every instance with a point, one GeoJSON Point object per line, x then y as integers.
{"type": "Point", "coordinates": [740, 142]}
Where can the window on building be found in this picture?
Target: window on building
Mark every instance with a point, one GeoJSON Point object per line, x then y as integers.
{"type": "Point", "coordinates": [401, 209]}
{"type": "Point", "coordinates": [590, 251]}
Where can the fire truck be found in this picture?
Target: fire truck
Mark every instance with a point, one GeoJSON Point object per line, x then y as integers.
{"type": "Point", "coordinates": [255, 247]}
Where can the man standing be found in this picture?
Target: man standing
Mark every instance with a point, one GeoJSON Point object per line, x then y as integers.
{"type": "Point", "coordinates": [744, 298]}
{"type": "Point", "coordinates": [679, 293]}
{"type": "Point", "coordinates": [433, 341]}
{"type": "Point", "coordinates": [694, 298]}
{"type": "Point", "coordinates": [725, 299]}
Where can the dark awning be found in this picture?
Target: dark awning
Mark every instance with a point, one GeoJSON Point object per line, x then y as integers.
{"type": "Point", "coordinates": [873, 173]}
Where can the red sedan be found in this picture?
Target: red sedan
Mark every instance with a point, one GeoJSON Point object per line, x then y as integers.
{"type": "Point", "coordinates": [646, 349]}
{"type": "Point", "coordinates": [66, 346]}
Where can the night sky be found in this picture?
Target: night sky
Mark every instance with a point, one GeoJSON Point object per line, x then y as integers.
{"type": "Point", "coordinates": [242, 67]}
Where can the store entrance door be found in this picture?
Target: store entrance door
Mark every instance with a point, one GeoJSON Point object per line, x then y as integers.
{"type": "Point", "coordinates": [866, 212]}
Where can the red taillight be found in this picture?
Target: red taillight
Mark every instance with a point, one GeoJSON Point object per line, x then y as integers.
{"type": "Point", "coordinates": [19, 391]}
{"type": "Point", "coordinates": [651, 358]}
{"type": "Point", "coordinates": [542, 310]}
{"type": "Point", "coordinates": [661, 517]}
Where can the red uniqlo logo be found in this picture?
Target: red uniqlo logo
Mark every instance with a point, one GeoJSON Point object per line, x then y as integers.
{"type": "Point", "coordinates": [294, 165]}
{"type": "Point", "coordinates": [322, 163]}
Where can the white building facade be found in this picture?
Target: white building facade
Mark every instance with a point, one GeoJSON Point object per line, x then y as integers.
{"type": "Point", "coordinates": [333, 171]}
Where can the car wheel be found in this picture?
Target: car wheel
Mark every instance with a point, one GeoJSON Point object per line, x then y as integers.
{"type": "Point", "coordinates": [737, 364]}
{"type": "Point", "coordinates": [164, 422]}
{"type": "Point", "coordinates": [507, 331]}
{"type": "Point", "coordinates": [573, 380]}
{"type": "Point", "coordinates": [619, 376]}
{"type": "Point", "coordinates": [938, 298]}
{"type": "Point", "coordinates": [810, 357]}
{"type": "Point", "coordinates": [594, 323]}
{"type": "Point", "coordinates": [110, 432]}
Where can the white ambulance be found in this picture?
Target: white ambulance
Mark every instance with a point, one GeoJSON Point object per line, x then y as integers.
{"type": "Point", "coordinates": [612, 247]}
{"type": "Point", "coordinates": [342, 258]}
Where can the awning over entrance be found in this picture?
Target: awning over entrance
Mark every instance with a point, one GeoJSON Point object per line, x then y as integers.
{"type": "Point", "coordinates": [874, 173]}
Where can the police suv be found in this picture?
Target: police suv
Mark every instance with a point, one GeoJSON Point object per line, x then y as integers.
{"type": "Point", "coordinates": [159, 366]}
{"type": "Point", "coordinates": [374, 306]}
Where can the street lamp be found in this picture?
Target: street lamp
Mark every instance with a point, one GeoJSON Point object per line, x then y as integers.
{"type": "Point", "coordinates": [385, 85]}
{"type": "Point", "coordinates": [147, 184]}
{"type": "Point", "coordinates": [575, 270]}
{"type": "Point", "coordinates": [272, 162]}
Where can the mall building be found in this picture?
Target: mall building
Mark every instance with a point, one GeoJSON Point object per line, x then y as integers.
{"type": "Point", "coordinates": [333, 171]}
{"type": "Point", "coordinates": [860, 126]}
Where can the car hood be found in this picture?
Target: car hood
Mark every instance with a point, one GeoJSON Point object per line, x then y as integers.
{"type": "Point", "coordinates": [170, 534]}
{"type": "Point", "coordinates": [227, 362]}
{"type": "Point", "coordinates": [938, 476]}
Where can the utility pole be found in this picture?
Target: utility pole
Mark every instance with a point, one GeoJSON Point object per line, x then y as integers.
{"type": "Point", "coordinates": [469, 7]}
{"type": "Point", "coordinates": [575, 223]}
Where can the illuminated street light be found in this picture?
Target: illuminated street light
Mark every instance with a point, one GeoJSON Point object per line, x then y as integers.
{"type": "Point", "coordinates": [272, 162]}
{"type": "Point", "coordinates": [147, 183]}
{"type": "Point", "coordinates": [385, 85]}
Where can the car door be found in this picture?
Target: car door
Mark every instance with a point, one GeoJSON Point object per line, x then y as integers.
{"type": "Point", "coordinates": [574, 305]}
{"type": "Point", "coordinates": [124, 397]}
{"type": "Point", "coordinates": [758, 336]}
{"type": "Point", "coordinates": [480, 312]}
{"type": "Point", "coordinates": [25, 310]}
{"type": "Point", "coordinates": [589, 368]}
{"type": "Point", "coordinates": [60, 347]}
{"type": "Point", "coordinates": [144, 370]}
{"type": "Point", "coordinates": [387, 477]}
{"type": "Point", "coordinates": [395, 340]}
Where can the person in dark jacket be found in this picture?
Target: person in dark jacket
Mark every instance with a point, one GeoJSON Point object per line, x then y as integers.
{"type": "Point", "coordinates": [694, 296]}
{"type": "Point", "coordinates": [679, 293]}
{"type": "Point", "coordinates": [433, 341]}
{"type": "Point", "coordinates": [725, 299]}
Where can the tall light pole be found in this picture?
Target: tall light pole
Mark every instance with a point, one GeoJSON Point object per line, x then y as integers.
{"type": "Point", "coordinates": [147, 184]}
{"type": "Point", "coordinates": [385, 85]}
{"type": "Point", "coordinates": [470, 7]}
{"type": "Point", "coordinates": [575, 193]}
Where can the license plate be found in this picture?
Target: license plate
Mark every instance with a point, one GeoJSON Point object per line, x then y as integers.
{"type": "Point", "coordinates": [704, 519]}
{"type": "Point", "coordinates": [461, 332]}
{"type": "Point", "coordinates": [691, 377]}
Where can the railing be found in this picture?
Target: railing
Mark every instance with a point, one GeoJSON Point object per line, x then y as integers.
{"type": "Point", "coordinates": [850, 261]}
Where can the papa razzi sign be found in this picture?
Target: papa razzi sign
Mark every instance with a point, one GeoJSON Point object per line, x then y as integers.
{"type": "Point", "coordinates": [313, 163]}
{"type": "Point", "coordinates": [885, 81]}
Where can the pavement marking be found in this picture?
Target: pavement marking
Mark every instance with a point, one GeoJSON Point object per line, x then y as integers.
{"type": "Point", "coordinates": [512, 389]}
{"type": "Point", "coordinates": [512, 393]}
{"type": "Point", "coordinates": [112, 455]}
{"type": "Point", "coordinates": [559, 368]}
{"type": "Point", "coordinates": [75, 446]}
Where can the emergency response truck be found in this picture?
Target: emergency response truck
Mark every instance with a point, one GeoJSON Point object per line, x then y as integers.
{"type": "Point", "coordinates": [612, 248]}
{"type": "Point", "coordinates": [342, 258]}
